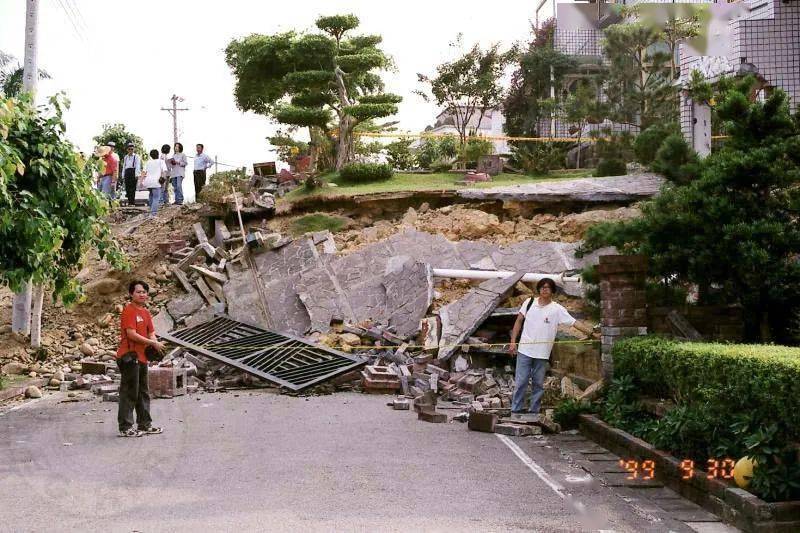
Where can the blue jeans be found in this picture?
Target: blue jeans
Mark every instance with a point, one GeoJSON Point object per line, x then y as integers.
{"type": "Point", "coordinates": [106, 187]}
{"type": "Point", "coordinates": [155, 198]}
{"type": "Point", "coordinates": [165, 193]}
{"type": "Point", "coordinates": [177, 186]}
{"type": "Point", "coordinates": [528, 369]}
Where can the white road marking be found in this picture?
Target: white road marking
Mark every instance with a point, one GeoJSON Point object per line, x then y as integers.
{"type": "Point", "coordinates": [533, 466]}
{"type": "Point", "coordinates": [24, 404]}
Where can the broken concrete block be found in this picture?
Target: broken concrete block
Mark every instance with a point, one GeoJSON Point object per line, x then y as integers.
{"type": "Point", "coordinates": [111, 397]}
{"type": "Point", "coordinates": [479, 421]}
{"type": "Point", "coordinates": [166, 382]}
{"type": "Point", "coordinates": [401, 404]}
{"type": "Point", "coordinates": [462, 317]}
{"type": "Point", "coordinates": [517, 430]}
{"type": "Point", "coordinates": [93, 367]}
{"type": "Point", "coordinates": [432, 416]}
{"type": "Point", "coordinates": [430, 333]}
{"type": "Point", "coordinates": [183, 306]}
{"type": "Point", "coordinates": [592, 391]}
{"type": "Point", "coordinates": [163, 323]}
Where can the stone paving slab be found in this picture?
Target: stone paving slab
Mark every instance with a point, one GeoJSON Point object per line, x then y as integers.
{"type": "Point", "coordinates": [628, 188]}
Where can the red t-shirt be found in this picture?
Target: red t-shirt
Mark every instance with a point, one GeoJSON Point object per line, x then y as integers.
{"type": "Point", "coordinates": [111, 165]}
{"type": "Point", "coordinates": [137, 318]}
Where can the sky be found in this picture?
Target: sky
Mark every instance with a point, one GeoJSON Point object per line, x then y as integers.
{"type": "Point", "coordinates": [121, 61]}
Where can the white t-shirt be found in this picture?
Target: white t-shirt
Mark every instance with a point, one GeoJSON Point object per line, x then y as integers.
{"type": "Point", "coordinates": [153, 170]}
{"type": "Point", "coordinates": [540, 327]}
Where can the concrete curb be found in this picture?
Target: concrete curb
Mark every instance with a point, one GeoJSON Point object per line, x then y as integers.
{"type": "Point", "coordinates": [736, 506]}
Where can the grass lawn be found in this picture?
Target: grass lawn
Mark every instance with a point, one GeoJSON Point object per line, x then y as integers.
{"type": "Point", "coordinates": [316, 222]}
{"type": "Point", "coordinates": [425, 182]}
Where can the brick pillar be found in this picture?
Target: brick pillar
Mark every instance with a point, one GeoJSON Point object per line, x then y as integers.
{"type": "Point", "coordinates": [622, 302]}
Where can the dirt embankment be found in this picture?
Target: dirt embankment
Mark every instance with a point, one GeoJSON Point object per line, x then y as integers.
{"type": "Point", "coordinates": [65, 331]}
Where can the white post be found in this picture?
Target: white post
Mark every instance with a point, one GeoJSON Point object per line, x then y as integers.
{"type": "Point", "coordinates": [30, 74]}
{"type": "Point", "coordinates": [21, 314]}
{"type": "Point", "coordinates": [36, 319]}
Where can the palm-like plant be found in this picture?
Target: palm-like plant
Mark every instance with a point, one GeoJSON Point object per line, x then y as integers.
{"type": "Point", "coordinates": [11, 75]}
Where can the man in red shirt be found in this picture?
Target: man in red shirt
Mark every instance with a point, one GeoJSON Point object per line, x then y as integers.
{"type": "Point", "coordinates": [137, 333]}
{"type": "Point", "coordinates": [108, 181]}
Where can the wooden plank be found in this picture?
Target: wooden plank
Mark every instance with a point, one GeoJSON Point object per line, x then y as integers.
{"type": "Point", "coordinates": [210, 251]}
{"type": "Point", "coordinates": [222, 263]}
{"type": "Point", "coordinates": [221, 233]}
{"type": "Point", "coordinates": [184, 263]}
{"type": "Point", "coordinates": [217, 288]}
{"type": "Point", "coordinates": [205, 290]}
{"type": "Point", "coordinates": [183, 279]}
{"type": "Point", "coordinates": [200, 233]}
{"type": "Point", "coordinates": [679, 323]}
{"type": "Point", "coordinates": [209, 274]}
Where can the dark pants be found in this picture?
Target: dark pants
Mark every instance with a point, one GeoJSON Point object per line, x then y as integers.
{"type": "Point", "coordinates": [130, 189]}
{"type": "Point", "coordinates": [133, 394]}
{"type": "Point", "coordinates": [199, 183]}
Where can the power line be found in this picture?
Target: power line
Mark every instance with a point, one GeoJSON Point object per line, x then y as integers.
{"type": "Point", "coordinates": [174, 112]}
{"type": "Point", "coordinates": [78, 33]}
{"type": "Point", "coordinates": [73, 7]}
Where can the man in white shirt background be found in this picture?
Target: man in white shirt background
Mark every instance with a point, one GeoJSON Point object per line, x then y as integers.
{"type": "Point", "coordinates": [538, 319]}
{"type": "Point", "coordinates": [201, 164]}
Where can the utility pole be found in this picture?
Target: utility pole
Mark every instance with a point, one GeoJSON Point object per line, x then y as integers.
{"type": "Point", "coordinates": [553, 79]}
{"type": "Point", "coordinates": [21, 307]}
{"type": "Point", "coordinates": [174, 112]}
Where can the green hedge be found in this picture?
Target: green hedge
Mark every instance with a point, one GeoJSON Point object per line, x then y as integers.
{"type": "Point", "coordinates": [732, 400]}
{"type": "Point", "coordinates": [610, 167]}
{"type": "Point", "coordinates": [365, 172]}
{"type": "Point", "coordinates": [742, 376]}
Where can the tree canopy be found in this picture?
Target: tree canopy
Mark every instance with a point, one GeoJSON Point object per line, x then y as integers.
{"type": "Point", "coordinates": [120, 136]}
{"type": "Point", "coordinates": [733, 230]}
{"type": "Point", "coordinates": [50, 212]}
{"type": "Point", "coordinates": [307, 79]}
{"type": "Point", "coordinates": [469, 85]}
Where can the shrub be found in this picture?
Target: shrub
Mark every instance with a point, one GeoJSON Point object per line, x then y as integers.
{"type": "Point", "coordinates": [610, 167]}
{"type": "Point", "coordinates": [732, 400]}
{"type": "Point", "coordinates": [475, 147]}
{"type": "Point", "coordinates": [676, 160]}
{"type": "Point", "coordinates": [538, 158]}
{"type": "Point", "coordinates": [566, 413]}
{"type": "Point", "coordinates": [400, 155]}
{"type": "Point", "coordinates": [365, 172]}
{"type": "Point", "coordinates": [433, 150]}
{"type": "Point", "coordinates": [649, 141]}
{"type": "Point", "coordinates": [220, 183]}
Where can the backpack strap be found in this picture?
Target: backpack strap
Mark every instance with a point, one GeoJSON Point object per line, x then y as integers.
{"type": "Point", "coordinates": [528, 309]}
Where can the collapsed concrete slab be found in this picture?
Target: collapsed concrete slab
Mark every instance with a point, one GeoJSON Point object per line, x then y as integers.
{"type": "Point", "coordinates": [462, 317]}
{"type": "Point", "coordinates": [629, 188]}
{"type": "Point", "coordinates": [387, 283]}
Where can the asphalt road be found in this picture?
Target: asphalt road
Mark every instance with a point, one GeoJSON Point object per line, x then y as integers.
{"type": "Point", "coordinates": [257, 461]}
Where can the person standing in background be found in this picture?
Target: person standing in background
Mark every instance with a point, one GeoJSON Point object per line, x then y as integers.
{"type": "Point", "coordinates": [165, 148]}
{"type": "Point", "coordinates": [201, 164]}
{"type": "Point", "coordinates": [108, 175]}
{"type": "Point", "coordinates": [177, 170]}
{"type": "Point", "coordinates": [153, 175]}
{"type": "Point", "coordinates": [131, 171]}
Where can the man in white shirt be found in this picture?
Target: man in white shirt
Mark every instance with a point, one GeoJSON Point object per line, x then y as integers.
{"type": "Point", "coordinates": [201, 163]}
{"type": "Point", "coordinates": [538, 319]}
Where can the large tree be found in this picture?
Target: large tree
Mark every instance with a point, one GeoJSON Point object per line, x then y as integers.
{"type": "Point", "coordinates": [468, 86]}
{"type": "Point", "coordinates": [734, 229]}
{"type": "Point", "coordinates": [639, 86]}
{"type": "Point", "coordinates": [305, 79]}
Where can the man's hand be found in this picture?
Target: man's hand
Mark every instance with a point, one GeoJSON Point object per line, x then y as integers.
{"type": "Point", "coordinates": [512, 349]}
{"type": "Point", "coordinates": [158, 345]}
